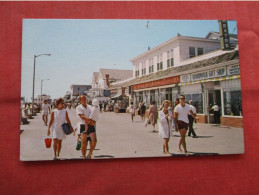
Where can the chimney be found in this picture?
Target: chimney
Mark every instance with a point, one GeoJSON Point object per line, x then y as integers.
{"type": "Point", "coordinates": [107, 80]}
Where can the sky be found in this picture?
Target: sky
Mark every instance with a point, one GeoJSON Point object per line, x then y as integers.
{"type": "Point", "coordinates": [80, 47]}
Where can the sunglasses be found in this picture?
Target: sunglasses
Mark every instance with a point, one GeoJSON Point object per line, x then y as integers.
{"type": "Point", "coordinates": [182, 98]}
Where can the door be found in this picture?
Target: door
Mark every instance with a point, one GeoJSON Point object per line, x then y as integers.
{"type": "Point", "coordinates": [213, 97]}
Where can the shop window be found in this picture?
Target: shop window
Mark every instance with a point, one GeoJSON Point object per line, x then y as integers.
{"type": "Point", "coordinates": [192, 52]}
{"type": "Point", "coordinates": [197, 101]}
{"type": "Point", "coordinates": [232, 103]}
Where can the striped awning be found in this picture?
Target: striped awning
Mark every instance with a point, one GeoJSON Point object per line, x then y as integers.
{"type": "Point", "coordinates": [212, 79]}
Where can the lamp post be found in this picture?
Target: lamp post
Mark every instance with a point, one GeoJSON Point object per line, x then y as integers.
{"type": "Point", "coordinates": [41, 89]}
{"type": "Point", "coordinates": [33, 83]}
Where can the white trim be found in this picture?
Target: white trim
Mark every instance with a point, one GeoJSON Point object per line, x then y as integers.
{"type": "Point", "coordinates": [228, 116]}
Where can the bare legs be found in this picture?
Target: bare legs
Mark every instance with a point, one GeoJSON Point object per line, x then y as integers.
{"type": "Point", "coordinates": [57, 147]}
{"type": "Point", "coordinates": [45, 119]}
{"type": "Point", "coordinates": [84, 144]}
{"type": "Point", "coordinates": [92, 144]}
{"type": "Point", "coordinates": [165, 146]}
{"type": "Point", "coordinates": [182, 141]}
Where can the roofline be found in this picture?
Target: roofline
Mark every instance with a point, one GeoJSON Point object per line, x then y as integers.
{"type": "Point", "coordinates": [213, 32]}
{"type": "Point", "coordinates": [172, 40]}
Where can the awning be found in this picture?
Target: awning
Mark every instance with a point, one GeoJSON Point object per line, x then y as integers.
{"type": "Point", "coordinates": [213, 79]}
{"type": "Point", "coordinates": [115, 96]}
{"type": "Point", "coordinates": [153, 88]}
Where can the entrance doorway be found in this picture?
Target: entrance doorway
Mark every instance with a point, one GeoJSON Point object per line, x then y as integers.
{"type": "Point", "coordinates": [214, 97]}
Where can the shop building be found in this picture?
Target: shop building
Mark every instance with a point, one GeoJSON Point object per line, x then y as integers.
{"type": "Point", "coordinates": [195, 67]}
{"type": "Point", "coordinates": [102, 80]}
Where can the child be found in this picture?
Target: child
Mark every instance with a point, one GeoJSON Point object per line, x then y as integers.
{"type": "Point", "coordinates": [95, 110]}
{"type": "Point", "coordinates": [132, 111]}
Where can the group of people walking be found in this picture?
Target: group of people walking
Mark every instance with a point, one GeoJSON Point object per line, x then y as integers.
{"type": "Point", "coordinates": [180, 118]}
{"type": "Point", "coordinates": [87, 116]}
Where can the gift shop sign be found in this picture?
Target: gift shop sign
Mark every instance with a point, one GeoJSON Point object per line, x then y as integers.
{"type": "Point", "coordinates": [219, 72]}
{"type": "Point", "coordinates": [185, 78]}
{"type": "Point", "coordinates": [160, 82]}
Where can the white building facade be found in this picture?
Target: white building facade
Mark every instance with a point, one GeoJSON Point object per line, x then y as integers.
{"type": "Point", "coordinates": [195, 67]}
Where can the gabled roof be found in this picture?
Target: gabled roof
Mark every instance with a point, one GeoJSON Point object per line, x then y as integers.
{"type": "Point", "coordinates": [116, 74]}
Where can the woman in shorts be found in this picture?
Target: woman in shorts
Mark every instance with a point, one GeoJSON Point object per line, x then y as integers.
{"type": "Point", "coordinates": [58, 117]}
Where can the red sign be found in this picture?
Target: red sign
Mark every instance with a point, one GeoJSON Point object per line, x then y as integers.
{"type": "Point", "coordinates": [160, 82]}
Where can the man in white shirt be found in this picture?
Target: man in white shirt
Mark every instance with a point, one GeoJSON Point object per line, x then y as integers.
{"type": "Point", "coordinates": [45, 110]}
{"type": "Point", "coordinates": [182, 122]}
{"type": "Point", "coordinates": [83, 113]}
{"type": "Point", "coordinates": [191, 119]}
{"type": "Point", "coordinates": [215, 109]}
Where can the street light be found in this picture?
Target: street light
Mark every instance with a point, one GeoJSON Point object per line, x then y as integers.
{"type": "Point", "coordinates": [35, 56]}
{"type": "Point", "coordinates": [41, 89]}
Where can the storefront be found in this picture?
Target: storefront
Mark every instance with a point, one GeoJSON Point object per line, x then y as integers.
{"type": "Point", "coordinates": [219, 85]}
{"type": "Point", "coordinates": [158, 91]}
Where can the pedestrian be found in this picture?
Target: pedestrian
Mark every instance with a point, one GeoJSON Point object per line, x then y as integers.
{"type": "Point", "coordinates": [83, 113]}
{"type": "Point", "coordinates": [191, 120]}
{"type": "Point", "coordinates": [58, 117]}
{"type": "Point", "coordinates": [142, 111]}
{"type": "Point", "coordinates": [182, 122]}
{"type": "Point", "coordinates": [165, 125]}
{"type": "Point", "coordinates": [171, 109]}
{"type": "Point", "coordinates": [176, 102]}
{"type": "Point", "coordinates": [132, 111]}
{"type": "Point", "coordinates": [90, 127]}
{"type": "Point", "coordinates": [152, 116]}
{"type": "Point", "coordinates": [215, 109]}
{"type": "Point", "coordinates": [101, 107]}
{"type": "Point", "coordinates": [45, 110]}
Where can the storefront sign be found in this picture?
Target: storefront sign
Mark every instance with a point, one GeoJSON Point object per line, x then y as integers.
{"type": "Point", "coordinates": [160, 82]}
{"type": "Point", "coordinates": [185, 78]}
{"type": "Point", "coordinates": [224, 36]}
{"type": "Point", "coordinates": [112, 91]}
{"type": "Point", "coordinates": [219, 72]}
{"type": "Point", "coordinates": [233, 70]}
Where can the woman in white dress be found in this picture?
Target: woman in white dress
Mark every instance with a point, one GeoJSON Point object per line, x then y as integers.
{"type": "Point", "coordinates": [58, 117]}
{"type": "Point", "coordinates": [165, 125]}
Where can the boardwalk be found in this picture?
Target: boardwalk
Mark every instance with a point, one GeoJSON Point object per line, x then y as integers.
{"type": "Point", "coordinates": [118, 137]}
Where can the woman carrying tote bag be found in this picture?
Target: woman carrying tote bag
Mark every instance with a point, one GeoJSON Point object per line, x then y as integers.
{"type": "Point", "coordinates": [58, 117]}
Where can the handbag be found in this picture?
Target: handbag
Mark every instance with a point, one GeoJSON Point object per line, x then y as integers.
{"type": "Point", "coordinates": [66, 128]}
